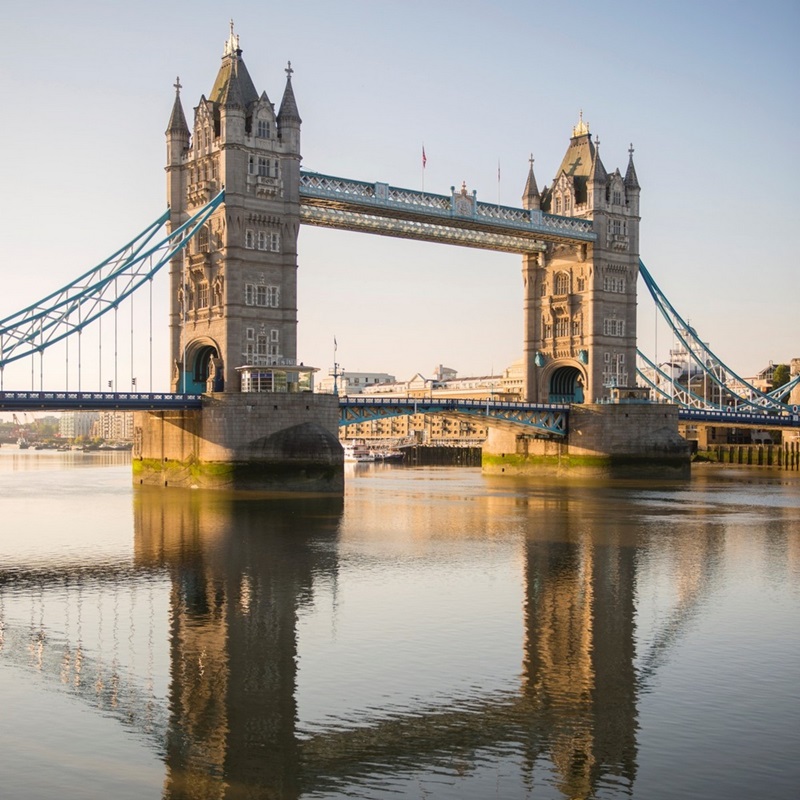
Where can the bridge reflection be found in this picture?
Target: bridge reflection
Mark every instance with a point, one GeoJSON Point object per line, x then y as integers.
{"type": "Point", "coordinates": [235, 574]}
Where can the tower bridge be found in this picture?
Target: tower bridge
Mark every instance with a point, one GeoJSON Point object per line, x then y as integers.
{"type": "Point", "coordinates": [237, 197]}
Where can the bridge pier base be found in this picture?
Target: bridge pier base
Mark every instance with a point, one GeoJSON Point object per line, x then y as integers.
{"type": "Point", "coordinates": [614, 440]}
{"type": "Point", "coordinates": [278, 443]}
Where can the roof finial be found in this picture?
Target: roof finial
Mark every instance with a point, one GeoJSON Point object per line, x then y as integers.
{"type": "Point", "coordinates": [630, 150]}
{"type": "Point", "coordinates": [177, 85]}
{"type": "Point", "coordinates": [232, 45]}
{"type": "Point", "coordinates": [582, 128]}
{"type": "Point", "coordinates": [288, 70]}
{"type": "Point", "coordinates": [530, 160]}
{"type": "Point", "coordinates": [596, 141]}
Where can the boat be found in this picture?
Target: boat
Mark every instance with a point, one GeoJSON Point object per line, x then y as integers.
{"type": "Point", "coordinates": [389, 455]}
{"type": "Point", "coordinates": [358, 453]}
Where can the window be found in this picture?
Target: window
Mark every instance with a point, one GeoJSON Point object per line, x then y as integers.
{"type": "Point", "coordinates": [614, 283]}
{"type": "Point", "coordinates": [614, 327]}
{"type": "Point", "coordinates": [202, 240]}
{"type": "Point", "coordinates": [543, 288]}
{"type": "Point", "coordinates": [576, 327]}
{"type": "Point", "coordinates": [275, 242]}
{"type": "Point", "coordinates": [558, 205]}
{"type": "Point", "coordinates": [251, 165]}
{"type": "Point", "coordinates": [567, 204]}
{"type": "Point", "coordinates": [262, 129]}
{"type": "Point", "coordinates": [249, 239]}
{"type": "Point", "coordinates": [202, 294]}
{"type": "Point", "coordinates": [263, 166]}
{"type": "Point", "coordinates": [581, 284]}
{"type": "Point", "coordinates": [275, 168]}
{"type": "Point", "coordinates": [251, 334]}
{"type": "Point", "coordinates": [561, 283]}
{"type": "Point", "coordinates": [562, 327]}
{"type": "Point", "coordinates": [274, 335]}
{"type": "Point", "coordinates": [616, 197]}
{"type": "Point", "coordinates": [262, 240]}
{"type": "Point", "coordinates": [264, 296]}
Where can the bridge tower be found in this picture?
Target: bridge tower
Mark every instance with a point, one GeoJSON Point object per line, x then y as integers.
{"type": "Point", "coordinates": [580, 299]}
{"type": "Point", "coordinates": [234, 290]}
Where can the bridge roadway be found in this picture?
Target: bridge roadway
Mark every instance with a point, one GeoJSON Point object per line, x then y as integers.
{"type": "Point", "coordinates": [549, 419]}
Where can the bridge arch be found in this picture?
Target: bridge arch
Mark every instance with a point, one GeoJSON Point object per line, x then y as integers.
{"type": "Point", "coordinates": [202, 366]}
{"type": "Point", "coordinates": [564, 382]}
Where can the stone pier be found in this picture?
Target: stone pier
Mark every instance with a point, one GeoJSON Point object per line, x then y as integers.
{"type": "Point", "coordinates": [284, 443]}
{"type": "Point", "coordinates": [616, 440]}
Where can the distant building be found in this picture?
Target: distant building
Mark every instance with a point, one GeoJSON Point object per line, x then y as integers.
{"type": "Point", "coordinates": [76, 423]}
{"type": "Point", "coordinates": [348, 383]}
{"type": "Point", "coordinates": [114, 426]}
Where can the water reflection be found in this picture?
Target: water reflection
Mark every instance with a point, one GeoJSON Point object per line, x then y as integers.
{"type": "Point", "coordinates": [191, 634]}
{"type": "Point", "coordinates": [240, 571]}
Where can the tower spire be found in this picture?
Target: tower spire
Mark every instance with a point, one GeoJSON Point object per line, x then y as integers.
{"type": "Point", "coordinates": [631, 181]}
{"type": "Point", "coordinates": [177, 119]}
{"type": "Point", "coordinates": [288, 111]}
{"type": "Point", "coordinates": [531, 197]}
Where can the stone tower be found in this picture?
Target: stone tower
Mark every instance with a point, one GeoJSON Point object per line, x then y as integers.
{"type": "Point", "coordinates": [580, 299]}
{"type": "Point", "coordinates": [234, 288]}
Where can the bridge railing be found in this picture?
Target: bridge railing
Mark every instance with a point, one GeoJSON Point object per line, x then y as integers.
{"type": "Point", "coordinates": [65, 401]}
{"type": "Point", "coordinates": [455, 206]}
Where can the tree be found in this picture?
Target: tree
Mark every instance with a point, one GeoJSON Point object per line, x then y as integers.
{"type": "Point", "coordinates": [780, 375]}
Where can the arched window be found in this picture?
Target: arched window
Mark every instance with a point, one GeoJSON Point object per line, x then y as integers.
{"type": "Point", "coordinates": [561, 285]}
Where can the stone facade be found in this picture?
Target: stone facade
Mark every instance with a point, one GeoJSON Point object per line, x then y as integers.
{"type": "Point", "coordinates": [234, 289]}
{"type": "Point", "coordinates": [270, 442]}
{"type": "Point", "coordinates": [580, 299]}
{"type": "Point", "coordinates": [610, 440]}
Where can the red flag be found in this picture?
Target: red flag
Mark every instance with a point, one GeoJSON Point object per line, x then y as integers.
{"type": "Point", "coordinates": [424, 158]}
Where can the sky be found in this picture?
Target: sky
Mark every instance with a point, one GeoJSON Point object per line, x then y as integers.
{"type": "Point", "coordinates": [705, 90]}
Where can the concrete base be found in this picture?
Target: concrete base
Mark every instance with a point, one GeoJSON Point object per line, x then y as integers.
{"type": "Point", "coordinates": [617, 440]}
{"type": "Point", "coordinates": [284, 443]}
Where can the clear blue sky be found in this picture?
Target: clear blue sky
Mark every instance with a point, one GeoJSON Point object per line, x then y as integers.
{"type": "Point", "coordinates": [707, 92]}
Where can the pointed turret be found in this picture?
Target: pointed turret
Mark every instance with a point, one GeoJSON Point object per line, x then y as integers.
{"type": "Point", "coordinates": [288, 112]}
{"type": "Point", "coordinates": [233, 86]}
{"type": "Point", "coordinates": [177, 120]}
{"type": "Point", "coordinates": [631, 181]}
{"type": "Point", "coordinates": [531, 199]}
{"type": "Point", "coordinates": [598, 171]}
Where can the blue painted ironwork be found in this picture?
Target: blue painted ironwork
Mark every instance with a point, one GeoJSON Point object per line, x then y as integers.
{"type": "Point", "coordinates": [348, 204]}
{"type": "Point", "coordinates": [740, 391]}
{"type": "Point", "coordinates": [740, 418]}
{"type": "Point", "coordinates": [96, 401]}
{"type": "Point", "coordinates": [98, 291]}
{"type": "Point", "coordinates": [551, 419]}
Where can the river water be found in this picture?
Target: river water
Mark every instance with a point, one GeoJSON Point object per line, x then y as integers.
{"type": "Point", "coordinates": [437, 634]}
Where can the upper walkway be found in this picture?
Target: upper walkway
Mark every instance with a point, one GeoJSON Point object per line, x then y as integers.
{"type": "Point", "coordinates": [457, 218]}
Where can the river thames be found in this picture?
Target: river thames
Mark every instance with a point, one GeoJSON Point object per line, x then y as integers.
{"type": "Point", "coordinates": [437, 634]}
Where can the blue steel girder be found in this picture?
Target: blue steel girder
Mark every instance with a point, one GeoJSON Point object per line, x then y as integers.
{"type": "Point", "coordinates": [72, 308]}
{"type": "Point", "coordinates": [458, 219]}
{"type": "Point", "coordinates": [550, 419]}
{"type": "Point", "coordinates": [97, 401]}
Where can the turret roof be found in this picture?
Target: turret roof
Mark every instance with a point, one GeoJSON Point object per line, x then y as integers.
{"type": "Point", "coordinates": [631, 181]}
{"type": "Point", "coordinates": [177, 119]}
{"type": "Point", "coordinates": [233, 86]}
{"type": "Point", "coordinates": [288, 110]}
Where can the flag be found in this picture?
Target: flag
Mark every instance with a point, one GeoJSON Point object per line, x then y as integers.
{"type": "Point", "coordinates": [424, 157]}
{"type": "Point", "coordinates": [498, 171]}
{"type": "Point", "coordinates": [334, 344]}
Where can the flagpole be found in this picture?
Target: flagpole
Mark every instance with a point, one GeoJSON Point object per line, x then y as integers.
{"type": "Point", "coordinates": [424, 162]}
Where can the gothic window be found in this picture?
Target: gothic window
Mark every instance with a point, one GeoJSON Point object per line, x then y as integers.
{"type": "Point", "coordinates": [275, 165]}
{"type": "Point", "coordinates": [617, 227]}
{"type": "Point", "coordinates": [562, 327]}
{"type": "Point", "coordinates": [274, 335]}
{"type": "Point", "coordinates": [275, 242]}
{"type": "Point", "coordinates": [262, 129]}
{"type": "Point", "coordinates": [251, 334]}
{"type": "Point", "coordinates": [576, 327]}
{"type": "Point", "coordinates": [202, 294]}
{"type": "Point", "coordinates": [558, 205]}
{"type": "Point", "coordinates": [261, 344]}
{"type": "Point", "coordinates": [263, 166]}
{"type": "Point", "coordinates": [614, 283]}
{"type": "Point", "coordinates": [613, 327]}
{"type": "Point", "coordinates": [543, 288]}
{"type": "Point", "coordinates": [561, 283]}
{"type": "Point", "coordinates": [251, 165]}
{"type": "Point", "coordinates": [262, 240]}
{"type": "Point", "coordinates": [264, 296]}
{"type": "Point", "coordinates": [274, 296]}
{"type": "Point", "coordinates": [581, 284]}
{"type": "Point", "coordinates": [616, 197]}
{"type": "Point", "coordinates": [567, 204]}
{"type": "Point", "coordinates": [249, 294]}
{"type": "Point", "coordinates": [261, 295]}
{"type": "Point", "coordinates": [249, 239]}
{"type": "Point", "coordinates": [202, 240]}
